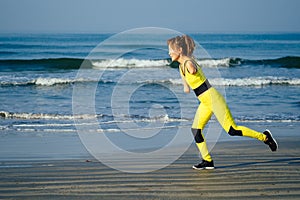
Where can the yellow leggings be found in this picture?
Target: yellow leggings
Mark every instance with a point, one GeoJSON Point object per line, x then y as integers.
{"type": "Point", "coordinates": [212, 102]}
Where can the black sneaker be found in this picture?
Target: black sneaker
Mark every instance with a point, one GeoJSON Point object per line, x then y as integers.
{"type": "Point", "coordinates": [204, 165]}
{"type": "Point", "coordinates": [270, 140]}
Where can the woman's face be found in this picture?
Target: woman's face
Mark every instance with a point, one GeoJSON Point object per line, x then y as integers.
{"type": "Point", "coordinates": [174, 54]}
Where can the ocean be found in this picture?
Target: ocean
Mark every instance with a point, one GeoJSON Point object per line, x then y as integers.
{"type": "Point", "coordinates": [135, 88]}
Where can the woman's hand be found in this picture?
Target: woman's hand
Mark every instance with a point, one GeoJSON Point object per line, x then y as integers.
{"type": "Point", "coordinates": [186, 88]}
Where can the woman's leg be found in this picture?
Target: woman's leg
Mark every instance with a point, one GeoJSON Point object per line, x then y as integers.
{"type": "Point", "coordinates": [201, 118]}
{"type": "Point", "coordinates": [223, 115]}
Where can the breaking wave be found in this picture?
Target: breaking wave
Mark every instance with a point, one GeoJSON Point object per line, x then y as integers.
{"type": "Point", "coordinates": [255, 81]}
{"type": "Point", "coordinates": [45, 116]}
{"type": "Point", "coordinates": [54, 64]}
{"type": "Point", "coordinates": [239, 82]}
{"type": "Point", "coordinates": [23, 122]}
{"type": "Point", "coordinates": [228, 82]}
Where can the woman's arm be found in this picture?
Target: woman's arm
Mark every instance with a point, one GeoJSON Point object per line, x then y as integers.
{"type": "Point", "coordinates": [191, 67]}
{"type": "Point", "coordinates": [186, 87]}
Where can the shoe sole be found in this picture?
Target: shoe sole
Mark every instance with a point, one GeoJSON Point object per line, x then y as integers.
{"type": "Point", "coordinates": [203, 168]}
{"type": "Point", "coordinates": [273, 139]}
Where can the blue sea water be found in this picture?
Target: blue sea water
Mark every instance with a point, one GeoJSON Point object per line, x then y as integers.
{"type": "Point", "coordinates": [258, 73]}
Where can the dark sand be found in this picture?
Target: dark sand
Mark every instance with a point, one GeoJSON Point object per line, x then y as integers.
{"type": "Point", "coordinates": [244, 170]}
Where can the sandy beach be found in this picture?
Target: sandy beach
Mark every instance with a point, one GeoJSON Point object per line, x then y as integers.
{"type": "Point", "coordinates": [245, 169]}
{"type": "Point", "coordinates": [130, 93]}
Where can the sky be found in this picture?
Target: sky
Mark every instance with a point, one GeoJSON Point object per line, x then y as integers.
{"type": "Point", "coordinates": [112, 16]}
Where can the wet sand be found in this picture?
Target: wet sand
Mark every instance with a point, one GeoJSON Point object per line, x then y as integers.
{"type": "Point", "coordinates": [244, 170]}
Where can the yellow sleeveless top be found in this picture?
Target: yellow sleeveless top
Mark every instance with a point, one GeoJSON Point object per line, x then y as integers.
{"type": "Point", "coordinates": [193, 80]}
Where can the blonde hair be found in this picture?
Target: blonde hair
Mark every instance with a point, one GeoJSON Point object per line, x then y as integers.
{"type": "Point", "coordinates": [185, 42]}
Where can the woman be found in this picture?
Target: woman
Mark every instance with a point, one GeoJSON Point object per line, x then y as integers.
{"type": "Point", "coordinates": [211, 101]}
